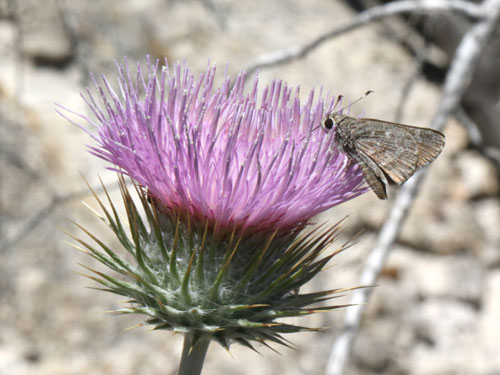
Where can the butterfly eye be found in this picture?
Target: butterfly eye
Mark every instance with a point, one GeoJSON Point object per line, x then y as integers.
{"type": "Point", "coordinates": [328, 123]}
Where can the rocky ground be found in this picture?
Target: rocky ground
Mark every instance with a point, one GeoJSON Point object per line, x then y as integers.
{"type": "Point", "coordinates": [436, 309]}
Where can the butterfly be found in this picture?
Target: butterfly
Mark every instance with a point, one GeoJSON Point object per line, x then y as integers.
{"type": "Point", "coordinates": [387, 152]}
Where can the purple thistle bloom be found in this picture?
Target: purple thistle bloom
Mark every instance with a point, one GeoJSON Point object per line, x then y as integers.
{"type": "Point", "coordinates": [245, 160]}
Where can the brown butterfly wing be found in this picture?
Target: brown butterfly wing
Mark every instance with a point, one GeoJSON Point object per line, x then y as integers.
{"type": "Point", "coordinates": [430, 144]}
{"type": "Point", "coordinates": [373, 175]}
{"type": "Point", "coordinates": [390, 146]}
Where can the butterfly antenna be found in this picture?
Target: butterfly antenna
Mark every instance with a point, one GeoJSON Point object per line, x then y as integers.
{"type": "Point", "coordinates": [351, 104]}
{"type": "Point", "coordinates": [339, 100]}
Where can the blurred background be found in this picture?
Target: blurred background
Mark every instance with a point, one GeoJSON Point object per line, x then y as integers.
{"type": "Point", "coordinates": [436, 309]}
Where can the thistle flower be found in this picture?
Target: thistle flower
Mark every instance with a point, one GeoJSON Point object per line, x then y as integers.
{"type": "Point", "coordinates": [226, 182]}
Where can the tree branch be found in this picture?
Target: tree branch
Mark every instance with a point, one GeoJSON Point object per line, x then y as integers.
{"type": "Point", "coordinates": [44, 212]}
{"type": "Point", "coordinates": [370, 15]}
{"type": "Point", "coordinates": [457, 80]}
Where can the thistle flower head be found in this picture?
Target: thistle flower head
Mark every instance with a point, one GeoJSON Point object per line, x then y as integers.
{"type": "Point", "coordinates": [250, 160]}
{"type": "Point", "coordinates": [226, 181]}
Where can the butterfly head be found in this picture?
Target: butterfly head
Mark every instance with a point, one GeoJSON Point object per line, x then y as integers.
{"type": "Point", "coordinates": [332, 121]}
{"type": "Point", "coordinates": [335, 118]}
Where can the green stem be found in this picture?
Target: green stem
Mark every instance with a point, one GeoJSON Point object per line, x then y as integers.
{"type": "Point", "coordinates": [193, 356]}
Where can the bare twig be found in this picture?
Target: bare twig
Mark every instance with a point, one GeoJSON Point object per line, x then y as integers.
{"type": "Point", "coordinates": [457, 80]}
{"type": "Point", "coordinates": [13, 9]}
{"type": "Point", "coordinates": [217, 12]}
{"type": "Point", "coordinates": [78, 45]}
{"type": "Point", "coordinates": [370, 15]}
{"type": "Point", "coordinates": [472, 130]}
{"type": "Point", "coordinates": [477, 141]}
{"type": "Point", "coordinates": [43, 213]}
{"type": "Point", "coordinates": [420, 58]}
{"type": "Point", "coordinates": [17, 161]}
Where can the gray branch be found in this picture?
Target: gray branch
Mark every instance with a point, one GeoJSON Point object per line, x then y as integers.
{"type": "Point", "coordinates": [457, 80]}
{"type": "Point", "coordinates": [476, 138]}
{"type": "Point", "coordinates": [370, 15]}
{"type": "Point", "coordinates": [420, 58]}
{"type": "Point", "coordinates": [42, 214]}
